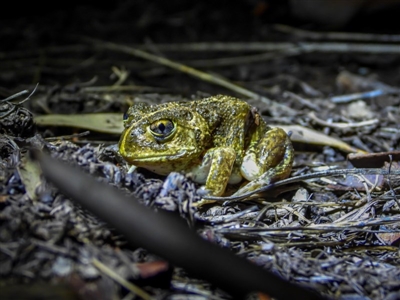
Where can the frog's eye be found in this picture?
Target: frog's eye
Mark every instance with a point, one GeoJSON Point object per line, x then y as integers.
{"type": "Point", "coordinates": [162, 129]}
{"type": "Point", "coordinates": [125, 117]}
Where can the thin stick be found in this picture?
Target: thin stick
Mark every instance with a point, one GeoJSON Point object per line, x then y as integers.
{"type": "Point", "coordinates": [122, 281]}
{"type": "Point", "coordinates": [358, 96]}
{"type": "Point", "coordinates": [337, 172]}
{"type": "Point", "coordinates": [122, 88]}
{"type": "Point", "coordinates": [353, 36]}
{"type": "Point", "coordinates": [319, 121]}
{"type": "Point", "coordinates": [246, 59]}
{"type": "Point", "coordinates": [229, 47]}
{"type": "Point", "coordinates": [67, 137]}
{"type": "Point", "coordinates": [15, 96]}
{"type": "Point", "coordinates": [266, 46]}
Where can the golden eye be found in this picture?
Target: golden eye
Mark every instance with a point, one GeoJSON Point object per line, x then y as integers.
{"type": "Point", "coordinates": [162, 129]}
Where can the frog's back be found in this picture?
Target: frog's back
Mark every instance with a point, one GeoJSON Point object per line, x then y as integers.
{"type": "Point", "coordinates": [221, 107]}
{"type": "Point", "coordinates": [219, 101]}
{"type": "Point", "coordinates": [232, 122]}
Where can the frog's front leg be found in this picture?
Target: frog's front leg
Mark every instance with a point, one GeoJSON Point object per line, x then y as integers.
{"type": "Point", "coordinates": [215, 169]}
{"type": "Point", "coordinates": [267, 160]}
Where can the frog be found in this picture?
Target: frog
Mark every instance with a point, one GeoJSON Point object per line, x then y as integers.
{"type": "Point", "coordinates": [218, 141]}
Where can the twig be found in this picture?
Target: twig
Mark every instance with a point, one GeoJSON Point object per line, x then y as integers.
{"type": "Point", "coordinates": [337, 172]}
{"type": "Point", "coordinates": [191, 71]}
{"type": "Point", "coordinates": [67, 137]}
{"type": "Point", "coordinates": [121, 73]}
{"type": "Point", "coordinates": [317, 120]}
{"type": "Point", "coordinates": [122, 88]}
{"type": "Point", "coordinates": [357, 225]}
{"type": "Point", "coordinates": [358, 96]}
{"type": "Point", "coordinates": [229, 47]}
{"type": "Point", "coordinates": [122, 281]}
{"type": "Point", "coordinates": [266, 46]}
{"type": "Point", "coordinates": [301, 100]}
{"type": "Point", "coordinates": [355, 214]}
{"type": "Point", "coordinates": [237, 60]}
{"type": "Point", "coordinates": [353, 36]}
{"type": "Point", "coordinates": [16, 95]}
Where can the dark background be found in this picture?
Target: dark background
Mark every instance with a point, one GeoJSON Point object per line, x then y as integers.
{"type": "Point", "coordinates": [29, 27]}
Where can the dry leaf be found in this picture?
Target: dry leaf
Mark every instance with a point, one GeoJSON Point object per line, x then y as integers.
{"type": "Point", "coordinates": [305, 135]}
{"type": "Point", "coordinates": [30, 172]}
{"type": "Point", "coordinates": [105, 122]}
{"type": "Point", "coordinates": [374, 160]}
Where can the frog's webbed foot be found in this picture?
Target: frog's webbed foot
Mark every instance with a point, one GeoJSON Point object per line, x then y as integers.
{"type": "Point", "coordinates": [203, 192]}
{"type": "Point", "coordinates": [202, 202]}
{"type": "Point", "coordinates": [267, 161]}
{"type": "Point", "coordinates": [221, 164]}
{"type": "Point", "coordinates": [261, 181]}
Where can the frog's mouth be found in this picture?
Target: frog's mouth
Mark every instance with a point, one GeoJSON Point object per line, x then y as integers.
{"type": "Point", "coordinates": [157, 158]}
{"type": "Point", "coordinates": [162, 164]}
{"type": "Point", "coordinates": [160, 157]}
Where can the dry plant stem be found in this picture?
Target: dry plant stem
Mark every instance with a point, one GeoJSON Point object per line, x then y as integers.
{"type": "Point", "coordinates": [349, 36]}
{"type": "Point", "coordinates": [121, 73]}
{"type": "Point", "coordinates": [266, 46]}
{"type": "Point", "coordinates": [337, 172]}
{"type": "Point", "coordinates": [358, 96]}
{"type": "Point", "coordinates": [297, 214]}
{"type": "Point", "coordinates": [356, 214]}
{"type": "Point", "coordinates": [191, 71]}
{"type": "Point", "coordinates": [20, 94]}
{"type": "Point", "coordinates": [67, 137]}
{"type": "Point", "coordinates": [310, 244]}
{"type": "Point", "coordinates": [358, 225]}
{"type": "Point", "coordinates": [235, 47]}
{"type": "Point", "coordinates": [126, 284]}
{"type": "Point", "coordinates": [238, 60]}
{"type": "Point", "coordinates": [53, 248]}
{"type": "Point", "coordinates": [281, 208]}
{"type": "Point", "coordinates": [14, 96]}
{"type": "Point", "coordinates": [123, 88]}
{"type": "Point", "coordinates": [341, 125]}
{"type": "Point", "coordinates": [307, 103]}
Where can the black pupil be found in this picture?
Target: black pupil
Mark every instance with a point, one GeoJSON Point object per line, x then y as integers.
{"type": "Point", "coordinates": [161, 127]}
{"type": "Point", "coordinates": [164, 127]}
{"type": "Point", "coordinates": [125, 117]}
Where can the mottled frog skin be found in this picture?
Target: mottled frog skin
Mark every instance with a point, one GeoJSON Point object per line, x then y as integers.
{"type": "Point", "coordinates": [218, 140]}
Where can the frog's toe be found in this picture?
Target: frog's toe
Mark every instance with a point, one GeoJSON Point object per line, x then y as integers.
{"type": "Point", "coordinates": [251, 186]}
{"type": "Point", "coordinates": [132, 169]}
{"type": "Point", "coordinates": [261, 181]}
{"type": "Point", "coordinates": [203, 191]}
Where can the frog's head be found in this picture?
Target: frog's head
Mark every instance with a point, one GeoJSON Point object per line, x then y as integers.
{"type": "Point", "coordinates": [163, 138]}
